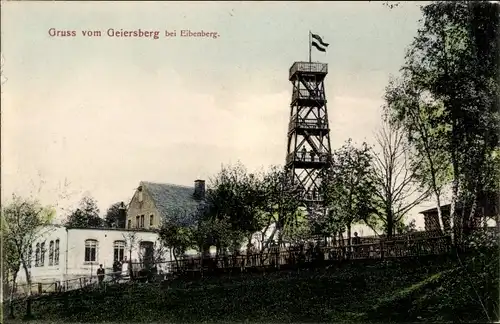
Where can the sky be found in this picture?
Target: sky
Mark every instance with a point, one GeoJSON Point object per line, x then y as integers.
{"type": "Point", "coordinates": [97, 115]}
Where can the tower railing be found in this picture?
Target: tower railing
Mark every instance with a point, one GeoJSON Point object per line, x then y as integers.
{"type": "Point", "coordinates": [307, 94]}
{"type": "Point", "coordinates": [307, 157]}
{"type": "Point", "coordinates": [309, 123]}
{"type": "Point", "coordinates": [312, 67]}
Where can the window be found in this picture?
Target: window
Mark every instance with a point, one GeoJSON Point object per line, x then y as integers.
{"type": "Point", "coordinates": [151, 220]}
{"type": "Point", "coordinates": [119, 248]}
{"type": "Point", "coordinates": [56, 253]}
{"type": "Point", "coordinates": [51, 253]}
{"type": "Point", "coordinates": [142, 221]}
{"type": "Point", "coordinates": [42, 254]}
{"type": "Point", "coordinates": [137, 221]}
{"type": "Point", "coordinates": [129, 223]}
{"type": "Point", "coordinates": [37, 255]}
{"type": "Point", "coordinates": [90, 250]}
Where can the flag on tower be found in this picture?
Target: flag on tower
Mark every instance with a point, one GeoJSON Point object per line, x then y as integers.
{"type": "Point", "coordinates": [318, 43]}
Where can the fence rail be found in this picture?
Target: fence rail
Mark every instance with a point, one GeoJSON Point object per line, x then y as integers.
{"type": "Point", "coordinates": [294, 256]}
{"type": "Point", "coordinates": [373, 248]}
{"type": "Point", "coordinates": [43, 288]}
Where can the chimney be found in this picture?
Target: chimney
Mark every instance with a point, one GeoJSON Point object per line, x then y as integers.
{"type": "Point", "coordinates": [122, 220]}
{"type": "Point", "coordinates": [199, 189]}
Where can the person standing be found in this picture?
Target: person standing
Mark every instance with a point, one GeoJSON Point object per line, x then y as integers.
{"type": "Point", "coordinates": [125, 268]}
{"type": "Point", "coordinates": [356, 241]}
{"type": "Point", "coordinates": [100, 275]}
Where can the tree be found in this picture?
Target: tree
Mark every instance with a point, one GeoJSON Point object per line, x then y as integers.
{"type": "Point", "coordinates": [86, 215]}
{"type": "Point", "coordinates": [416, 114]}
{"type": "Point", "coordinates": [131, 241]}
{"type": "Point", "coordinates": [12, 264]}
{"type": "Point", "coordinates": [177, 238]}
{"type": "Point", "coordinates": [156, 254]}
{"type": "Point", "coordinates": [23, 222]}
{"type": "Point", "coordinates": [114, 214]}
{"type": "Point", "coordinates": [235, 197]}
{"type": "Point", "coordinates": [279, 205]}
{"type": "Point", "coordinates": [453, 63]}
{"type": "Point", "coordinates": [299, 232]}
{"type": "Point", "coordinates": [348, 187]}
{"type": "Point", "coordinates": [395, 177]}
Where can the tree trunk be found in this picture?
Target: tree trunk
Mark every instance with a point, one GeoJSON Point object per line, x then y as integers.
{"type": "Point", "coordinates": [28, 314]}
{"type": "Point", "coordinates": [472, 215]}
{"type": "Point", "coordinates": [341, 245]}
{"type": "Point", "coordinates": [11, 297]}
{"type": "Point", "coordinates": [349, 233]}
{"type": "Point", "coordinates": [442, 226]}
{"type": "Point", "coordinates": [280, 238]}
{"type": "Point", "coordinates": [175, 259]}
{"type": "Point", "coordinates": [271, 237]}
{"type": "Point", "coordinates": [390, 223]}
{"type": "Point", "coordinates": [249, 241]}
{"type": "Point", "coordinates": [453, 213]}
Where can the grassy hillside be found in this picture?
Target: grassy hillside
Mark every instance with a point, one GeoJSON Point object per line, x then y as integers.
{"type": "Point", "coordinates": [411, 290]}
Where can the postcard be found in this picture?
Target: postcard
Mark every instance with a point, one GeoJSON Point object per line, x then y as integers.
{"type": "Point", "coordinates": [250, 161]}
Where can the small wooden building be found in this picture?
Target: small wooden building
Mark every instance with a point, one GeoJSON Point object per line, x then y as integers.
{"type": "Point", "coordinates": [486, 210]}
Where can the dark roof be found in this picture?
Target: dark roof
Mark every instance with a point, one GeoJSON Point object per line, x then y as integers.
{"type": "Point", "coordinates": [434, 210]}
{"type": "Point", "coordinates": [174, 202]}
{"type": "Point", "coordinates": [488, 202]}
{"type": "Point", "coordinates": [143, 230]}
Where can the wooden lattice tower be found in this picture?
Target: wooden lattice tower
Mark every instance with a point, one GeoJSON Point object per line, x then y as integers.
{"type": "Point", "coordinates": [309, 148]}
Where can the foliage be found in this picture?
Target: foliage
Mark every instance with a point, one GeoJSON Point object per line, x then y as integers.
{"type": "Point", "coordinates": [239, 204]}
{"type": "Point", "coordinates": [86, 215]}
{"type": "Point", "coordinates": [280, 203]}
{"type": "Point", "coordinates": [11, 264]}
{"type": "Point", "coordinates": [403, 228]}
{"type": "Point", "coordinates": [11, 259]}
{"type": "Point", "coordinates": [348, 187]}
{"type": "Point", "coordinates": [114, 214]}
{"type": "Point", "coordinates": [411, 111]}
{"type": "Point", "coordinates": [234, 199]}
{"type": "Point", "coordinates": [176, 237]}
{"type": "Point", "coordinates": [450, 79]}
{"type": "Point", "coordinates": [466, 293]}
{"type": "Point", "coordinates": [24, 220]}
{"type": "Point", "coordinates": [131, 241]}
{"type": "Point", "coordinates": [395, 179]}
{"type": "Point", "coordinates": [301, 230]}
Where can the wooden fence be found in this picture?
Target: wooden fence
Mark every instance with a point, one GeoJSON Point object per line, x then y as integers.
{"type": "Point", "coordinates": [293, 256]}
{"type": "Point", "coordinates": [372, 249]}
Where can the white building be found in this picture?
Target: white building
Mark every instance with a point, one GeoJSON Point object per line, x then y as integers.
{"type": "Point", "coordinates": [62, 253]}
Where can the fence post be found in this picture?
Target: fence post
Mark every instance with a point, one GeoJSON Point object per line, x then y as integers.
{"type": "Point", "coordinates": [381, 250]}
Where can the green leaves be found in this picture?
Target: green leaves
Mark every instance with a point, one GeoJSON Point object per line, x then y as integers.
{"type": "Point", "coordinates": [176, 237]}
{"type": "Point", "coordinates": [348, 186]}
{"type": "Point", "coordinates": [446, 98]}
{"type": "Point", "coordinates": [86, 215]}
{"type": "Point", "coordinates": [22, 223]}
{"type": "Point", "coordinates": [113, 214]}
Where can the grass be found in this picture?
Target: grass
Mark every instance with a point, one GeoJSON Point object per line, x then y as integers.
{"type": "Point", "coordinates": [407, 290]}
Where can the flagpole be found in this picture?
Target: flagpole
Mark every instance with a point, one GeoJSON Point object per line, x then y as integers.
{"type": "Point", "coordinates": [309, 46]}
